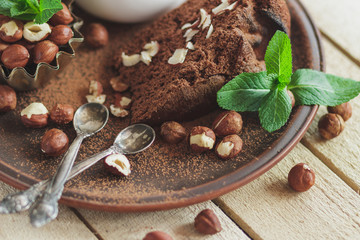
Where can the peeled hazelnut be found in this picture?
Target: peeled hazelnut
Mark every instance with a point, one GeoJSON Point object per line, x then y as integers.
{"type": "Point", "coordinates": [7, 98]}
{"type": "Point", "coordinates": [301, 177]}
{"type": "Point", "coordinates": [61, 34]}
{"type": "Point", "coordinates": [97, 35]}
{"type": "Point", "coordinates": [344, 110]}
{"type": "Point", "coordinates": [62, 114]}
{"type": "Point", "coordinates": [131, 60]}
{"type": "Point", "coordinates": [292, 98]}
{"type": "Point", "coordinates": [202, 139]}
{"type": "Point", "coordinates": [122, 101]}
{"type": "Point", "coordinates": [117, 85]}
{"type": "Point", "coordinates": [35, 115]}
{"type": "Point", "coordinates": [96, 99]}
{"type": "Point", "coordinates": [96, 88]}
{"type": "Point", "coordinates": [331, 125]}
{"type": "Point", "coordinates": [45, 52]}
{"type": "Point", "coordinates": [157, 235]}
{"type": "Point", "coordinates": [206, 222]}
{"type": "Point", "coordinates": [178, 57]}
{"type": "Point", "coordinates": [118, 111]}
{"type": "Point", "coordinates": [11, 31]}
{"type": "Point", "coordinates": [36, 32]}
{"type": "Point", "coordinates": [15, 56]}
{"type": "Point", "coordinates": [229, 147]}
{"type": "Point", "coordinates": [62, 17]}
{"type": "Point", "coordinates": [118, 164]}
{"type": "Point", "coordinates": [227, 123]}
{"type": "Point", "coordinates": [54, 142]}
{"type": "Point", "coordinates": [172, 132]}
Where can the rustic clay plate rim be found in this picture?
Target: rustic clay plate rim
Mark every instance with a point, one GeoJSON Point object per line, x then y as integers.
{"type": "Point", "coordinates": [294, 132]}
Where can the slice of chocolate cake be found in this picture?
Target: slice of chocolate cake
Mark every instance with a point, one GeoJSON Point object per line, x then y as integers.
{"type": "Point", "coordinates": [176, 65]}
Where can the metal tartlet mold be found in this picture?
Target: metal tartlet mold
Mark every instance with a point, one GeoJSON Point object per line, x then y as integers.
{"type": "Point", "coordinates": [36, 76]}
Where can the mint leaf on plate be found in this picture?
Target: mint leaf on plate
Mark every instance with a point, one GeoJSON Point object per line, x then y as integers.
{"type": "Point", "coordinates": [311, 87]}
{"type": "Point", "coordinates": [278, 57]}
{"type": "Point", "coordinates": [245, 92]}
{"type": "Point", "coordinates": [275, 110]}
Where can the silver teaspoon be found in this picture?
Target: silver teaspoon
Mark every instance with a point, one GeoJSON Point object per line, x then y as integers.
{"type": "Point", "coordinates": [89, 119]}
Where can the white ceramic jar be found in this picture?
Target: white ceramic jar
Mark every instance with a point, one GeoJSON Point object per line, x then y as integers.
{"type": "Point", "coordinates": [128, 11]}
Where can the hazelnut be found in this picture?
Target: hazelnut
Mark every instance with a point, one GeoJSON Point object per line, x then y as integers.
{"type": "Point", "coordinates": [36, 32]}
{"type": "Point", "coordinates": [54, 142]}
{"type": "Point", "coordinates": [178, 57]}
{"type": "Point", "coordinates": [45, 52]}
{"type": "Point", "coordinates": [301, 177]}
{"type": "Point", "coordinates": [117, 164]}
{"type": "Point", "coordinates": [7, 98]}
{"type": "Point", "coordinates": [118, 112]}
{"type": "Point", "coordinates": [61, 34]}
{"type": "Point", "coordinates": [122, 101]}
{"type": "Point", "coordinates": [344, 110]}
{"type": "Point", "coordinates": [331, 125]}
{"type": "Point", "coordinates": [206, 222]}
{"type": "Point", "coordinates": [201, 139]}
{"type": "Point", "coordinates": [95, 88]}
{"type": "Point", "coordinates": [62, 17]}
{"type": "Point", "coordinates": [292, 98]}
{"type": "Point", "coordinates": [131, 60]}
{"type": "Point", "coordinates": [96, 35]}
{"type": "Point", "coordinates": [62, 113]}
{"type": "Point", "coordinates": [3, 46]}
{"type": "Point", "coordinates": [172, 132]}
{"type": "Point", "coordinates": [229, 147]}
{"type": "Point", "coordinates": [11, 31]}
{"type": "Point", "coordinates": [15, 56]}
{"type": "Point", "coordinates": [96, 99]}
{"type": "Point", "coordinates": [35, 115]}
{"type": "Point", "coordinates": [28, 45]}
{"type": "Point", "coordinates": [117, 85]}
{"type": "Point", "coordinates": [157, 235]}
{"type": "Point", "coordinates": [227, 123]}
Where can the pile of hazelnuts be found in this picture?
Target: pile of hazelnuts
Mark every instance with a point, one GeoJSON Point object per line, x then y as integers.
{"type": "Point", "coordinates": [25, 43]}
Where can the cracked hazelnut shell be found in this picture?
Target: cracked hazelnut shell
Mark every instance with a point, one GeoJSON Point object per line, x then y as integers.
{"type": "Point", "coordinates": [301, 177]}
{"type": "Point", "coordinates": [54, 142]}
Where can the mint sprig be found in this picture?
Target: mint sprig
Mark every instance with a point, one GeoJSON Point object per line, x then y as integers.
{"type": "Point", "coordinates": [29, 10]}
{"type": "Point", "coordinates": [266, 92]}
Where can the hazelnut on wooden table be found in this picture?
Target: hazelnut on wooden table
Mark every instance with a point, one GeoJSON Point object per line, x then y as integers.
{"type": "Point", "coordinates": [61, 34]}
{"type": "Point", "coordinates": [62, 113]}
{"type": "Point", "coordinates": [227, 123]}
{"type": "Point", "coordinates": [54, 142]}
{"type": "Point", "coordinates": [7, 98]}
{"type": "Point", "coordinates": [206, 222]}
{"type": "Point", "coordinates": [157, 235]}
{"type": "Point", "coordinates": [172, 132]}
{"type": "Point", "coordinates": [229, 147]}
{"type": "Point", "coordinates": [96, 35]}
{"type": "Point", "coordinates": [11, 30]}
{"type": "Point", "coordinates": [62, 17]}
{"type": "Point", "coordinates": [117, 164]}
{"type": "Point", "coordinates": [35, 115]}
{"type": "Point", "coordinates": [344, 110]}
{"type": "Point", "coordinates": [201, 139]}
{"type": "Point", "coordinates": [301, 177]}
{"type": "Point", "coordinates": [15, 56]}
{"type": "Point", "coordinates": [331, 125]}
{"type": "Point", "coordinates": [45, 51]}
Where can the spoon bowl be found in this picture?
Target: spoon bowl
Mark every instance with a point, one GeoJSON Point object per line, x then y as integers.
{"type": "Point", "coordinates": [90, 118]}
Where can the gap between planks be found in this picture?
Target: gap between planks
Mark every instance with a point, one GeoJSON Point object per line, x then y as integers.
{"type": "Point", "coordinates": [86, 223]}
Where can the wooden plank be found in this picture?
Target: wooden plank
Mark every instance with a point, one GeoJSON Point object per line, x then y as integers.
{"type": "Point", "coordinates": [179, 223]}
{"type": "Point", "coordinates": [341, 154]}
{"type": "Point", "coordinates": [17, 226]}
{"type": "Point", "coordinates": [268, 208]}
{"type": "Point", "coordinates": [339, 20]}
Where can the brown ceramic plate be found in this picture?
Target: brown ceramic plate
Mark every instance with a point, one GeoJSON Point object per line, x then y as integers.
{"type": "Point", "coordinates": [163, 176]}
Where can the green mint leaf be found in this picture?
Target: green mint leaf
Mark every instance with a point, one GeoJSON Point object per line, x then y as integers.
{"type": "Point", "coordinates": [5, 7]}
{"type": "Point", "coordinates": [275, 110]}
{"type": "Point", "coordinates": [48, 8]}
{"type": "Point", "coordinates": [245, 92]}
{"type": "Point", "coordinates": [278, 57]}
{"type": "Point", "coordinates": [311, 87]}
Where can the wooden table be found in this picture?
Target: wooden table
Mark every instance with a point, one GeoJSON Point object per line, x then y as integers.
{"type": "Point", "coordinates": [266, 208]}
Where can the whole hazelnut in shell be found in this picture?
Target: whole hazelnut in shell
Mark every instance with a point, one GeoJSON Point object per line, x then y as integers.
{"type": "Point", "coordinates": [206, 222]}
{"type": "Point", "coordinates": [96, 35]}
{"type": "Point", "coordinates": [227, 123]}
{"type": "Point", "coordinates": [62, 17]}
{"type": "Point", "coordinates": [3, 46]}
{"type": "Point", "coordinates": [172, 132]}
{"type": "Point", "coordinates": [7, 98]}
{"type": "Point", "coordinates": [15, 56]}
{"type": "Point", "coordinates": [331, 125]}
{"type": "Point", "coordinates": [54, 142]}
{"type": "Point", "coordinates": [35, 115]}
{"type": "Point", "coordinates": [292, 98]}
{"type": "Point", "coordinates": [61, 34]}
{"type": "Point", "coordinates": [229, 147]}
{"type": "Point", "coordinates": [62, 113]}
{"type": "Point", "coordinates": [344, 110]}
{"type": "Point", "coordinates": [45, 52]}
{"type": "Point", "coordinates": [301, 177]}
{"type": "Point", "coordinates": [201, 139]}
